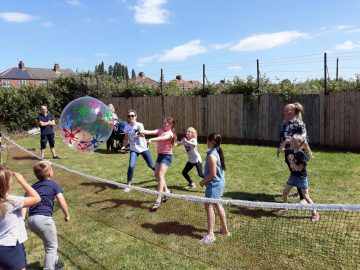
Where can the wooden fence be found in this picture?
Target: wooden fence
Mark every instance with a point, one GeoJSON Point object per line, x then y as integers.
{"type": "Point", "coordinates": [331, 120]}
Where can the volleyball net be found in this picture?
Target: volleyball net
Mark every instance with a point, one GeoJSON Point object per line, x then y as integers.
{"type": "Point", "coordinates": [263, 236]}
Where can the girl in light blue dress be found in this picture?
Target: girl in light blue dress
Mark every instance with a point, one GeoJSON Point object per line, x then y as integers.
{"type": "Point", "coordinates": [214, 181]}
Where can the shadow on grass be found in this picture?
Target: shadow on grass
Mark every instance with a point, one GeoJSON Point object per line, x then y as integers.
{"type": "Point", "coordinates": [259, 213]}
{"type": "Point", "coordinates": [145, 181]}
{"type": "Point", "coordinates": [25, 158]}
{"type": "Point", "coordinates": [105, 151]}
{"type": "Point", "coordinates": [255, 197]}
{"type": "Point", "coordinates": [101, 186]}
{"type": "Point", "coordinates": [34, 266]}
{"type": "Point", "coordinates": [118, 203]}
{"type": "Point", "coordinates": [182, 188]}
{"type": "Point", "coordinates": [176, 228]}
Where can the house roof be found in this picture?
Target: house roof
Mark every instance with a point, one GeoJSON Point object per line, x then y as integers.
{"type": "Point", "coordinates": [141, 79]}
{"type": "Point", "coordinates": [187, 84]}
{"type": "Point", "coordinates": [29, 73]}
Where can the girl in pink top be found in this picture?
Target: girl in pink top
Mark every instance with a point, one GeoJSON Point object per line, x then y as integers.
{"type": "Point", "coordinates": [166, 138]}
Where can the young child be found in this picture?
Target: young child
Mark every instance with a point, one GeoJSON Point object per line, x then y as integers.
{"type": "Point", "coordinates": [214, 181]}
{"type": "Point", "coordinates": [190, 145]}
{"type": "Point", "coordinates": [166, 138]}
{"type": "Point", "coordinates": [297, 157]}
{"type": "Point", "coordinates": [12, 227]}
{"type": "Point", "coordinates": [40, 219]}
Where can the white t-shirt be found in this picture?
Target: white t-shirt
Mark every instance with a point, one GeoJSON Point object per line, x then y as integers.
{"type": "Point", "coordinates": [137, 143]}
{"type": "Point", "coordinates": [194, 156]}
{"type": "Point", "coordinates": [12, 227]}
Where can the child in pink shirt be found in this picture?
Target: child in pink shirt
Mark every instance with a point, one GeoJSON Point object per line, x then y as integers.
{"type": "Point", "coordinates": [166, 138]}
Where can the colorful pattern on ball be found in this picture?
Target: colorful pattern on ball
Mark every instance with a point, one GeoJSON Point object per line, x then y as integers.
{"type": "Point", "coordinates": [85, 124]}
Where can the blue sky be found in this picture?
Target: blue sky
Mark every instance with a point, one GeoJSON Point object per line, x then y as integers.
{"type": "Point", "coordinates": [288, 37]}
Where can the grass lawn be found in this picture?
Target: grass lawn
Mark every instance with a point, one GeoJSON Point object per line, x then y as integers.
{"type": "Point", "coordinates": [111, 229]}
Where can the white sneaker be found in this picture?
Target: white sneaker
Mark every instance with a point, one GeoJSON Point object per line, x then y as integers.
{"type": "Point", "coordinates": [126, 189]}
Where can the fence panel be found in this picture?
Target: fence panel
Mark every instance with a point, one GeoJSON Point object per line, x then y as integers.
{"type": "Point", "coordinates": [331, 120]}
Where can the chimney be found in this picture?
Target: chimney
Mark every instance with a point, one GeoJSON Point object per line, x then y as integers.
{"type": "Point", "coordinates": [57, 68]}
{"type": "Point", "coordinates": [21, 65]}
{"type": "Point", "coordinates": [178, 77]}
{"type": "Point", "coordinates": [142, 75]}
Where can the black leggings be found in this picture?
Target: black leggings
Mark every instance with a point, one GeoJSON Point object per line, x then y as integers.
{"type": "Point", "coordinates": [188, 168]}
{"type": "Point", "coordinates": [301, 194]}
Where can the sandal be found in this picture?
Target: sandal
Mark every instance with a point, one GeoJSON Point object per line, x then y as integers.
{"type": "Point", "coordinates": [207, 240]}
{"type": "Point", "coordinates": [190, 186]}
{"type": "Point", "coordinates": [315, 217]}
{"type": "Point", "coordinates": [155, 206]}
{"type": "Point", "coordinates": [165, 198]}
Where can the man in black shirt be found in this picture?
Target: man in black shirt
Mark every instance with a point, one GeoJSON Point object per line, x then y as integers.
{"type": "Point", "coordinates": [46, 123]}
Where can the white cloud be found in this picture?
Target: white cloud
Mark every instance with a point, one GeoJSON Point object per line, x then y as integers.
{"type": "Point", "coordinates": [143, 61]}
{"type": "Point", "coordinates": [102, 55]}
{"type": "Point", "coordinates": [46, 24]}
{"type": "Point", "coordinates": [74, 2]}
{"type": "Point", "coordinates": [221, 46]}
{"type": "Point", "coordinates": [178, 53]}
{"type": "Point", "coordinates": [17, 17]}
{"type": "Point", "coordinates": [150, 12]}
{"type": "Point", "coordinates": [355, 30]}
{"type": "Point", "coordinates": [267, 41]}
{"type": "Point", "coordinates": [342, 27]}
{"type": "Point", "coordinates": [346, 46]}
{"type": "Point", "coordinates": [233, 67]}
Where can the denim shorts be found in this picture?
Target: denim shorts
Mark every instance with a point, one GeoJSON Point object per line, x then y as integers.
{"type": "Point", "coordinates": [298, 181]}
{"type": "Point", "coordinates": [165, 159]}
{"type": "Point", "coordinates": [214, 189]}
{"type": "Point", "coordinates": [13, 257]}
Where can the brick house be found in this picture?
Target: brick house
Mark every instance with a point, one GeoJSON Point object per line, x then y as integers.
{"type": "Point", "coordinates": [21, 75]}
{"type": "Point", "coordinates": [185, 85]}
{"type": "Point", "coordinates": [141, 79]}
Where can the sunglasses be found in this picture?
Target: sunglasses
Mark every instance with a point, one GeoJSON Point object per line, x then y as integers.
{"type": "Point", "coordinates": [131, 115]}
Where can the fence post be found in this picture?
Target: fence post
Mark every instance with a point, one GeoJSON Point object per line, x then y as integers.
{"type": "Point", "coordinates": [325, 77]}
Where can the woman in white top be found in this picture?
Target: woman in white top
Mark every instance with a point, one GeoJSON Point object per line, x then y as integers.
{"type": "Point", "coordinates": [12, 227]}
{"type": "Point", "coordinates": [138, 146]}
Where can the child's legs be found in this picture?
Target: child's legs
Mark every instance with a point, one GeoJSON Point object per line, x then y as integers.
{"type": "Point", "coordinates": [222, 216]}
{"type": "Point", "coordinates": [301, 196]}
{"type": "Point", "coordinates": [306, 195]}
{"type": "Point", "coordinates": [132, 163]}
{"type": "Point", "coordinates": [286, 192]}
{"type": "Point", "coordinates": [210, 218]}
{"type": "Point", "coordinates": [199, 169]}
{"type": "Point", "coordinates": [148, 159]}
{"type": "Point", "coordinates": [160, 171]}
{"type": "Point", "coordinates": [45, 228]}
{"type": "Point", "coordinates": [186, 170]}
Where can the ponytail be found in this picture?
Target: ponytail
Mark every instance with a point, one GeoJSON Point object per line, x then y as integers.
{"type": "Point", "coordinates": [174, 138]}
{"type": "Point", "coordinates": [299, 109]}
{"type": "Point", "coordinates": [216, 140]}
{"type": "Point", "coordinates": [222, 158]}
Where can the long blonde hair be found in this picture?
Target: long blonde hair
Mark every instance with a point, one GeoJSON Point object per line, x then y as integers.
{"type": "Point", "coordinates": [193, 131]}
{"type": "Point", "coordinates": [5, 185]}
{"type": "Point", "coordinates": [299, 110]}
{"type": "Point", "coordinates": [304, 145]}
